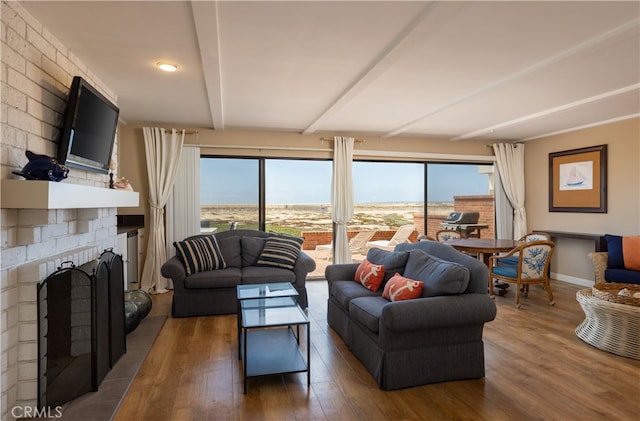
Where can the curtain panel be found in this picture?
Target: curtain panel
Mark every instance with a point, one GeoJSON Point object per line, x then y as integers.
{"type": "Point", "coordinates": [163, 154]}
{"type": "Point", "coordinates": [183, 205]}
{"type": "Point", "coordinates": [510, 162]}
{"type": "Point", "coordinates": [342, 196]}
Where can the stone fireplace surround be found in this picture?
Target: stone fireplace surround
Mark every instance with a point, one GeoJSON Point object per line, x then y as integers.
{"type": "Point", "coordinates": [41, 237]}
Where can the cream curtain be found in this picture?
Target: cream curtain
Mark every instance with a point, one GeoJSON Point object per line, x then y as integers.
{"type": "Point", "coordinates": [183, 205]}
{"type": "Point", "coordinates": [163, 156]}
{"type": "Point", "coordinates": [342, 196]}
{"type": "Point", "coordinates": [510, 161]}
{"type": "Point", "coordinates": [504, 211]}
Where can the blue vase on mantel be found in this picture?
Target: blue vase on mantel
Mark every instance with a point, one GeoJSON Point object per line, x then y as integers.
{"type": "Point", "coordinates": [42, 167]}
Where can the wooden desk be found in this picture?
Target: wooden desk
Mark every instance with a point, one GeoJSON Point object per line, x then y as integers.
{"type": "Point", "coordinates": [484, 247]}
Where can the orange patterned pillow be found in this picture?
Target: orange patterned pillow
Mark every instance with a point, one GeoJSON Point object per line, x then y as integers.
{"type": "Point", "coordinates": [370, 275]}
{"type": "Point", "coordinates": [400, 288]}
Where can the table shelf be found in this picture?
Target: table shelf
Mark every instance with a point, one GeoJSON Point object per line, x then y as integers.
{"type": "Point", "coordinates": [273, 351]}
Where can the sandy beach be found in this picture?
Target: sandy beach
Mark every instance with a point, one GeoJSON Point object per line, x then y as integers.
{"type": "Point", "coordinates": [317, 217]}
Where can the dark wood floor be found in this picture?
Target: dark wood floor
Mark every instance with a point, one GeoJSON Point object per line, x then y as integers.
{"type": "Point", "coordinates": [536, 369]}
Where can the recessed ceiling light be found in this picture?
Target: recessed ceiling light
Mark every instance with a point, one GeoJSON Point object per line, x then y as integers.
{"type": "Point", "coordinates": [167, 67]}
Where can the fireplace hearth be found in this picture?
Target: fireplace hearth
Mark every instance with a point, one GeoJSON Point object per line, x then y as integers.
{"type": "Point", "coordinates": [81, 333]}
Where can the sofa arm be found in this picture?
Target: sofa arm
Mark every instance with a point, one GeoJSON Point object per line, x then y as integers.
{"type": "Point", "coordinates": [304, 265]}
{"type": "Point", "coordinates": [174, 269]}
{"type": "Point", "coordinates": [599, 260]}
{"type": "Point", "coordinates": [341, 272]}
{"type": "Point", "coordinates": [438, 312]}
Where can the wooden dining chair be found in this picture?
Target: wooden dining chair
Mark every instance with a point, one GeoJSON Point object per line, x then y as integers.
{"type": "Point", "coordinates": [534, 258]}
{"type": "Point", "coordinates": [445, 235]}
{"type": "Point", "coordinates": [532, 236]}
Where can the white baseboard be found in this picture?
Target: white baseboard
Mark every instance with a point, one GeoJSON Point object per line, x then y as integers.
{"type": "Point", "coordinates": [572, 279]}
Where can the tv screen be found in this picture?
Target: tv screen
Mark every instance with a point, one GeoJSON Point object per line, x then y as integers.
{"type": "Point", "coordinates": [89, 129]}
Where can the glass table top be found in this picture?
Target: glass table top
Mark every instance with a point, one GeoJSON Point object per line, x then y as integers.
{"type": "Point", "coordinates": [271, 316]}
{"type": "Point", "coordinates": [278, 289]}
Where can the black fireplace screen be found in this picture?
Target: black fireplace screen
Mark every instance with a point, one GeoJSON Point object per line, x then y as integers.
{"type": "Point", "coordinates": [80, 328]}
{"type": "Point", "coordinates": [65, 348]}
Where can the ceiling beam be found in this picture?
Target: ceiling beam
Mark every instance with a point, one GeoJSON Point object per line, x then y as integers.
{"type": "Point", "coordinates": [631, 25]}
{"type": "Point", "coordinates": [205, 16]}
{"type": "Point", "coordinates": [382, 62]}
{"type": "Point", "coordinates": [549, 111]}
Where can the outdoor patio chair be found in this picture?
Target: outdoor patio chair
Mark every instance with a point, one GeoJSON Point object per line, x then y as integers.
{"type": "Point", "coordinates": [357, 244]}
{"type": "Point", "coordinates": [401, 236]}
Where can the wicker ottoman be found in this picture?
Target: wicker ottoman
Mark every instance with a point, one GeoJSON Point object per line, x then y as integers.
{"type": "Point", "coordinates": [610, 326]}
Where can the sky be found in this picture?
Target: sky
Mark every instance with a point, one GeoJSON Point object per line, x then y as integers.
{"type": "Point", "coordinates": [234, 181]}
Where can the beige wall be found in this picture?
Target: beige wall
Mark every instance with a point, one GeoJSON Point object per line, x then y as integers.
{"type": "Point", "coordinates": [623, 216]}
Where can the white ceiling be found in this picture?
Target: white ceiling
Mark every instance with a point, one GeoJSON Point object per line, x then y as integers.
{"type": "Point", "coordinates": [460, 70]}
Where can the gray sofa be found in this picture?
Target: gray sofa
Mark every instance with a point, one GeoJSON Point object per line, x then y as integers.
{"type": "Point", "coordinates": [436, 337]}
{"type": "Point", "coordinates": [214, 292]}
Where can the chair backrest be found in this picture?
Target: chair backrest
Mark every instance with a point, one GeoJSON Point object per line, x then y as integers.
{"type": "Point", "coordinates": [536, 236]}
{"type": "Point", "coordinates": [359, 241]}
{"type": "Point", "coordinates": [402, 234]}
{"type": "Point", "coordinates": [446, 235]}
{"type": "Point", "coordinates": [534, 259]}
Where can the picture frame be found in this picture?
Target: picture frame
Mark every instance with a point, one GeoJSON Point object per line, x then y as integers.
{"type": "Point", "coordinates": [578, 180]}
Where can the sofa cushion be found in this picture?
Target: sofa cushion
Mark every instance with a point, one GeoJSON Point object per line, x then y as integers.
{"type": "Point", "coordinates": [367, 311]}
{"type": "Point", "coordinates": [399, 288]}
{"type": "Point", "coordinates": [280, 251]}
{"type": "Point", "coordinates": [440, 277]}
{"type": "Point", "coordinates": [393, 261]}
{"type": "Point", "coordinates": [369, 275]}
{"type": "Point", "coordinates": [624, 276]}
{"type": "Point", "coordinates": [223, 278]}
{"type": "Point", "coordinates": [231, 251]}
{"type": "Point", "coordinates": [614, 251]}
{"type": "Point", "coordinates": [251, 249]}
{"type": "Point", "coordinates": [345, 291]}
{"type": "Point", "coordinates": [261, 275]}
{"type": "Point", "coordinates": [200, 254]}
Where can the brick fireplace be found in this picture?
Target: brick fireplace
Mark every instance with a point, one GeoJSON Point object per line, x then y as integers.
{"type": "Point", "coordinates": [36, 241]}
{"type": "Point", "coordinates": [39, 223]}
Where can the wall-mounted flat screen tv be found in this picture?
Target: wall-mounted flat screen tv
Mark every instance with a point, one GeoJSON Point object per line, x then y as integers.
{"type": "Point", "coordinates": [89, 129]}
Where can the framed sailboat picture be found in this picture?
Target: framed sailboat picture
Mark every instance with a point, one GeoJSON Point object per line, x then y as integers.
{"type": "Point", "coordinates": [578, 180]}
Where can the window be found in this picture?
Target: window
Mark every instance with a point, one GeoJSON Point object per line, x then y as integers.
{"type": "Point", "coordinates": [298, 194]}
{"type": "Point", "coordinates": [460, 188]}
{"type": "Point", "coordinates": [228, 194]}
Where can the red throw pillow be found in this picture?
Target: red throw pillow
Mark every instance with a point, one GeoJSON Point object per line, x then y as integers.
{"type": "Point", "coordinates": [400, 288]}
{"type": "Point", "coordinates": [370, 275]}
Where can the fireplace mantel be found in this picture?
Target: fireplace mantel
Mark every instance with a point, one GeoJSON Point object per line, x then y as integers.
{"type": "Point", "coordinates": [34, 194]}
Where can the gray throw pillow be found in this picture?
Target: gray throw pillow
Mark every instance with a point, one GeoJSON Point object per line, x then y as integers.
{"type": "Point", "coordinates": [231, 251]}
{"type": "Point", "coordinates": [251, 249]}
{"type": "Point", "coordinates": [440, 277]}
{"type": "Point", "coordinates": [393, 261]}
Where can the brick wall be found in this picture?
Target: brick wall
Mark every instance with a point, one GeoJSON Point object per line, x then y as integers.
{"type": "Point", "coordinates": [37, 71]}
{"type": "Point", "coordinates": [315, 238]}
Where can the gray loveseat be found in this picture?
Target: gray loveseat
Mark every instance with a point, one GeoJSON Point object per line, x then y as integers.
{"type": "Point", "coordinates": [214, 291]}
{"type": "Point", "coordinates": [434, 338]}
